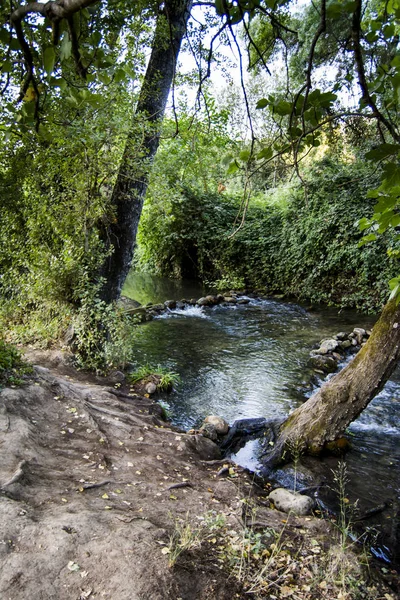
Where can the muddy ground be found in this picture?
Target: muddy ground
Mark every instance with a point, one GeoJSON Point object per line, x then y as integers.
{"type": "Point", "coordinates": [94, 486]}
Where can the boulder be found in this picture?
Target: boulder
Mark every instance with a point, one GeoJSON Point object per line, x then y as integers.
{"type": "Point", "coordinates": [329, 345]}
{"type": "Point", "coordinates": [212, 300]}
{"type": "Point", "coordinates": [209, 431]}
{"type": "Point", "coordinates": [341, 336]}
{"type": "Point", "coordinates": [171, 304]}
{"type": "Point", "coordinates": [206, 449]}
{"type": "Point", "coordinates": [157, 307]}
{"type": "Point", "coordinates": [287, 501]}
{"type": "Point", "coordinates": [180, 305]}
{"type": "Point", "coordinates": [345, 344]}
{"type": "Point", "coordinates": [327, 364]}
{"type": "Point", "coordinates": [230, 300]}
{"type": "Point", "coordinates": [203, 301]}
{"type": "Point", "coordinates": [220, 425]}
{"type": "Point", "coordinates": [116, 377]}
{"type": "Point", "coordinates": [359, 334]}
{"type": "Point", "coordinates": [150, 388]}
{"type": "Point", "coordinates": [243, 301]}
{"type": "Point", "coordinates": [220, 298]}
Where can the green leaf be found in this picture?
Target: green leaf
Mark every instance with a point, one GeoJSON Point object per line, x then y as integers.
{"type": "Point", "coordinates": [244, 155]}
{"type": "Point", "coordinates": [363, 224]}
{"type": "Point", "coordinates": [49, 59]}
{"type": "Point", "coordinates": [58, 82]}
{"type": "Point", "coordinates": [371, 237]}
{"type": "Point", "coordinates": [4, 36]}
{"type": "Point", "coordinates": [391, 176]}
{"type": "Point", "coordinates": [7, 66]}
{"type": "Point", "coordinates": [382, 151]}
{"type": "Point", "coordinates": [266, 153]}
{"type": "Point", "coordinates": [283, 108]}
{"type": "Point", "coordinates": [120, 75]}
{"type": "Point", "coordinates": [233, 168]}
{"type": "Point", "coordinates": [96, 38]}
{"type": "Point", "coordinates": [219, 7]}
{"type": "Point", "coordinates": [262, 103]}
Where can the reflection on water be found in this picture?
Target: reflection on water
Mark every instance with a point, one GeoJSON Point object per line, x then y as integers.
{"type": "Point", "coordinates": [247, 361]}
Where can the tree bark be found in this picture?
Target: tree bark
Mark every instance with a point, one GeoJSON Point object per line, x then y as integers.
{"type": "Point", "coordinates": [132, 180]}
{"type": "Point", "coordinates": [327, 414]}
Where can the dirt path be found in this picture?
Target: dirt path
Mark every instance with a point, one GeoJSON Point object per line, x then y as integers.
{"type": "Point", "coordinates": [92, 486]}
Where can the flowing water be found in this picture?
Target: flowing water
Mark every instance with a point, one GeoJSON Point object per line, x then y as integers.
{"type": "Point", "coordinates": [249, 361]}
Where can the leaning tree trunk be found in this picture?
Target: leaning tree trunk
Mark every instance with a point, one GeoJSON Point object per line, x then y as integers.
{"type": "Point", "coordinates": [326, 415]}
{"type": "Point", "coordinates": [132, 180]}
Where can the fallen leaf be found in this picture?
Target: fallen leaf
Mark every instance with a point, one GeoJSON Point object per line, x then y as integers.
{"type": "Point", "coordinates": [165, 550]}
{"type": "Point", "coordinates": [172, 497]}
{"type": "Point", "coordinates": [72, 566]}
{"type": "Point", "coordinates": [105, 496]}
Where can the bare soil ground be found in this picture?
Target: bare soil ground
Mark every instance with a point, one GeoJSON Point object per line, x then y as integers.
{"type": "Point", "coordinates": [94, 485]}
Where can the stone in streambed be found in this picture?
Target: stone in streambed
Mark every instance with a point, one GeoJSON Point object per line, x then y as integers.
{"type": "Point", "coordinates": [221, 426]}
{"type": "Point", "coordinates": [326, 346]}
{"type": "Point", "coordinates": [287, 501]}
{"type": "Point", "coordinates": [359, 334]}
{"type": "Point", "coordinates": [203, 301]}
{"type": "Point", "coordinates": [345, 344]}
{"type": "Point", "coordinates": [171, 304]}
{"type": "Point", "coordinates": [327, 364]}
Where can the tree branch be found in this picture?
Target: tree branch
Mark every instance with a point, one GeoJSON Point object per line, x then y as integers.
{"type": "Point", "coordinates": [362, 80]}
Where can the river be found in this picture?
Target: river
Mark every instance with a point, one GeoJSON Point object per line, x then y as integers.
{"type": "Point", "coordinates": [250, 361]}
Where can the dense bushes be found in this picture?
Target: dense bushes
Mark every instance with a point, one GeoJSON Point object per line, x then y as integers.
{"type": "Point", "coordinates": [300, 242]}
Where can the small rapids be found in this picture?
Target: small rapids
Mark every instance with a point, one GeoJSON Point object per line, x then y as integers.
{"type": "Point", "coordinates": [190, 311]}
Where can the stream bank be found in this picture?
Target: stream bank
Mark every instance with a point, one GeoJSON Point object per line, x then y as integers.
{"type": "Point", "coordinates": [102, 499]}
{"type": "Point", "coordinates": [252, 361]}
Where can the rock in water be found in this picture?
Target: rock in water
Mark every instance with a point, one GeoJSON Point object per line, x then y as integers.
{"type": "Point", "coordinates": [150, 388]}
{"type": "Point", "coordinates": [221, 426]}
{"type": "Point", "coordinates": [288, 501]}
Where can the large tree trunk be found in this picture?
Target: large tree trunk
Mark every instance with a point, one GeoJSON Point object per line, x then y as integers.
{"type": "Point", "coordinates": [131, 185]}
{"type": "Point", "coordinates": [326, 415]}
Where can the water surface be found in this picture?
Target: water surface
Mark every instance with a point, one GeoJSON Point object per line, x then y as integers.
{"type": "Point", "coordinates": [249, 361]}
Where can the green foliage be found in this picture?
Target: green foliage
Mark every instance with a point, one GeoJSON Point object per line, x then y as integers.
{"type": "Point", "coordinates": [302, 246]}
{"type": "Point", "coordinates": [12, 366]}
{"type": "Point", "coordinates": [167, 379]}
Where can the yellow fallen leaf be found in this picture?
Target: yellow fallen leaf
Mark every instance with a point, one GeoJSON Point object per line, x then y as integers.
{"type": "Point", "coordinates": [64, 500]}
{"type": "Point", "coordinates": [81, 489]}
{"type": "Point", "coordinates": [165, 550]}
{"type": "Point", "coordinates": [172, 497]}
{"type": "Point", "coordinates": [138, 472]}
{"type": "Point", "coordinates": [105, 496]}
{"type": "Point", "coordinates": [118, 491]}
{"type": "Point", "coordinates": [107, 507]}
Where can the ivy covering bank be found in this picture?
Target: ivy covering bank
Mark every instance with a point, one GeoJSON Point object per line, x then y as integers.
{"type": "Point", "coordinates": [297, 241]}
